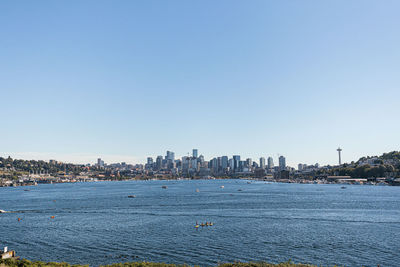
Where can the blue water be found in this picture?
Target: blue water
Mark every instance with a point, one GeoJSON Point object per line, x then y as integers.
{"type": "Point", "coordinates": [96, 223]}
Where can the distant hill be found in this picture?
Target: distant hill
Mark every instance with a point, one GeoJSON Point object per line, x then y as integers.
{"type": "Point", "coordinates": [386, 165]}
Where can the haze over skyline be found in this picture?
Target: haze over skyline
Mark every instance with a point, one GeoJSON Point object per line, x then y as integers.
{"type": "Point", "coordinates": [130, 79]}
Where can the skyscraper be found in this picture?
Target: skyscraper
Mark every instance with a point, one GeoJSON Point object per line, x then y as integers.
{"type": "Point", "coordinates": [262, 163]}
{"type": "Point", "coordinates": [270, 163]}
{"type": "Point", "coordinates": [224, 162]}
{"type": "Point", "coordinates": [170, 156]}
{"type": "Point", "coordinates": [195, 153]}
{"type": "Point", "coordinates": [214, 165]}
{"type": "Point", "coordinates": [282, 163]}
{"type": "Point", "coordinates": [249, 162]}
{"type": "Point", "coordinates": [159, 162]}
{"type": "Point", "coordinates": [231, 164]}
{"type": "Point", "coordinates": [236, 160]}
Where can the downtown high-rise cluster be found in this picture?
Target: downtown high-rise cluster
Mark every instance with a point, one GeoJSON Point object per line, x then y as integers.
{"type": "Point", "coordinates": [195, 164]}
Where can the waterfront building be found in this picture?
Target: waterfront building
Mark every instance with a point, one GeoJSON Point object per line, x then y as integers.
{"type": "Point", "coordinates": [262, 163]}
{"type": "Point", "coordinates": [194, 153]}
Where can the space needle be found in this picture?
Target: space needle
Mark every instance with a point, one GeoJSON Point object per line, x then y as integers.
{"type": "Point", "coordinates": [339, 150]}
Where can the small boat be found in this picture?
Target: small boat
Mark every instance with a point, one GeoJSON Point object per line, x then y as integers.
{"type": "Point", "coordinates": [52, 217]}
{"type": "Point", "coordinates": [240, 190]}
{"type": "Point", "coordinates": [27, 190]}
{"type": "Point", "coordinates": [19, 219]}
{"type": "Point", "coordinates": [164, 187]}
{"type": "Point", "coordinates": [343, 187]}
{"type": "Point", "coordinates": [197, 190]}
{"type": "Point", "coordinates": [202, 224]}
{"type": "Point", "coordinates": [222, 186]}
{"type": "Point", "coordinates": [249, 182]}
{"type": "Point", "coordinates": [196, 226]}
{"type": "Point", "coordinates": [3, 211]}
{"type": "Point", "coordinates": [131, 196]}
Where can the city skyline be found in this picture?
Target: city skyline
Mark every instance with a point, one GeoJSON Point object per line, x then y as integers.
{"type": "Point", "coordinates": [266, 159]}
{"type": "Point", "coordinates": [82, 80]}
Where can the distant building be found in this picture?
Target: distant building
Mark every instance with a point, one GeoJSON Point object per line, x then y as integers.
{"type": "Point", "coordinates": [262, 163]}
{"type": "Point", "coordinates": [195, 153]}
{"type": "Point", "coordinates": [224, 162]}
{"type": "Point", "coordinates": [300, 167]}
{"type": "Point", "coordinates": [236, 160]}
{"type": "Point", "coordinates": [214, 165]}
{"type": "Point", "coordinates": [159, 161]}
{"type": "Point", "coordinates": [231, 164]}
{"type": "Point", "coordinates": [282, 163]}
{"type": "Point", "coordinates": [100, 163]}
{"type": "Point", "coordinates": [249, 162]}
{"type": "Point", "coordinates": [170, 156]}
{"type": "Point", "coordinates": [260, 172]}
{"type": "Point", "coordinates": [270, 163]}
{"type": "Point", "coordinates": [283, 174]}
{"type": "Point", "coordinates": [201, 159]}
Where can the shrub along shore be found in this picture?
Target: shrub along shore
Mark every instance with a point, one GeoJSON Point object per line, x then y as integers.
{"type": "Point", "coordinates": [27, 263]}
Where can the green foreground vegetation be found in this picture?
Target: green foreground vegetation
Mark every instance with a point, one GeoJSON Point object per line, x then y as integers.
{"type": "Point", "coordinates": [27, 263]}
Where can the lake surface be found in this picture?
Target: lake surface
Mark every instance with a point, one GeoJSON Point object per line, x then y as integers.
{"type": "Point", "coordinates": [96, 223]}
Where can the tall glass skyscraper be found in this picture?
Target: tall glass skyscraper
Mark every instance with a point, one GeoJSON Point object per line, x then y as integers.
{"type": "Point", "coordinates": [270, 163]}
{"type": "Point", "coordinates": [195, 153]}
{"type": "Point", "coordinates": [282, 163]}
{"type": "Point", "coordinates": [262, 163]}
{"type": "Point", "coordinates": [236, 160]}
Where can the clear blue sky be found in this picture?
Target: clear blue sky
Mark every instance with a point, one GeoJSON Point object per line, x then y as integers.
{"type": "Point", "coordinates": [123, 80]}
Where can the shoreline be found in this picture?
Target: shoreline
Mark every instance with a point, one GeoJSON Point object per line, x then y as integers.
{"type": "Point", "coordinates": [13, 262]}
{"type": "Point", "coordinates": [267, 180]}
